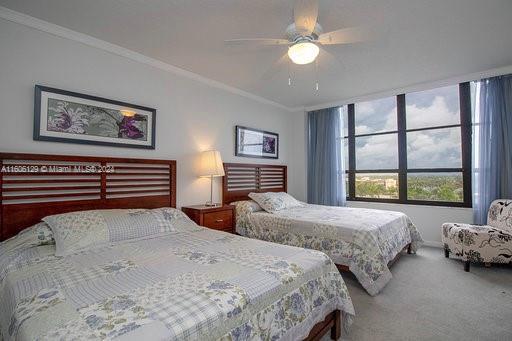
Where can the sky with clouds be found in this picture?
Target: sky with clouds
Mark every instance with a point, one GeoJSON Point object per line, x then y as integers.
{"type": "Point", "coordinates": [425, 149]}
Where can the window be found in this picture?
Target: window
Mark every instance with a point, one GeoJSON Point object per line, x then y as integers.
{"type": "Point", "coordinates": [376, 149]}
{"type": "Point", "coordinates": [377, 185]}
{"type": "Point", "coordinates": [375, 116]}
{"type": "Point", "coordinates": [377, 152]}
{"type": "Point", "coordinates": [413, 148]}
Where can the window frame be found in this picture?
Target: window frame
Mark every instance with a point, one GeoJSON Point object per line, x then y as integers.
{"type": "Point", "coordinates": [403, 170]}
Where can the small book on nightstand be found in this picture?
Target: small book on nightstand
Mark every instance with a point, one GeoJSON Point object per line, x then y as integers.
{"type": "Point", "coordinates": [221, 217]}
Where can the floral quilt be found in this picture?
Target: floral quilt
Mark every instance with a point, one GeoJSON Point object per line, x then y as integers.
{"type": "Point", "coordinates": [197, 284]}
{"type": "Point", "coordinates": [365, 240]}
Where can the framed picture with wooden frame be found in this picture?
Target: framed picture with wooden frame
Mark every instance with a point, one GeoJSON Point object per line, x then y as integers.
{"type": "Point", "coordinates": [256, 143]}
{"type": "Point", "coordinates": [65, 116]}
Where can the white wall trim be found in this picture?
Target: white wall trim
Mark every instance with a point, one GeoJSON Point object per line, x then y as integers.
{"type": "Point", "coordinates": [415, 87]}
{"type": "Point", "coordinates": [376, 203]}
{"type": "Point", "coordinates": [85, 39]}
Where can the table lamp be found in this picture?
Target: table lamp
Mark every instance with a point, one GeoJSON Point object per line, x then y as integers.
{"type": "Point", "coordinates": [210, 166]}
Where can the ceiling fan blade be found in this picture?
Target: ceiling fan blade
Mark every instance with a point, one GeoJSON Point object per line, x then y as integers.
{"type": "Point", "coordinates": [343, 36]}
{"type": "Point", "coordinates": [305, 14]}
{"type": "Point", "coordinates": [281, 65]}
{"type": "Point", "coordinates": [257, 41]}
{"type": "Point", "coordinates": [327, 60]}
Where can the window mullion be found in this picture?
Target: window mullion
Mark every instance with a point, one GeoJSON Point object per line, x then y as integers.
{"type": "Point", "coordinates": [466, 143]}
{"type": "Point", "coordinates": [351, 152]}
{"type": "Point", "coordinates": [402, 148]}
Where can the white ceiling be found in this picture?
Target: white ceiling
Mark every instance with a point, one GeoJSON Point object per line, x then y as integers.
{"type": "Point", "coordinates": [414, 41]}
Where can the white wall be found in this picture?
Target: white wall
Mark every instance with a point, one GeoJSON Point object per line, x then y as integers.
{"type": "Point", "coordinates": [299, 150]}
{"type": "Point", "coordinates": [298, 157]}
{"type": "Point", "coordinates": [191, 116]}
{"type": "Point", "coordinates": [428, 219]}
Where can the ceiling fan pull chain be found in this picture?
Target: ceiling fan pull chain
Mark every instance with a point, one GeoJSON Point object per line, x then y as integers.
{"type": "Point", "coordinates": [316, 74]}
{"type": "Point", "coordinates": [289, 74]}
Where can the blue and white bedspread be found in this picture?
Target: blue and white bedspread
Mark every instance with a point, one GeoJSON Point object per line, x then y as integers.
{"type": "Point", "coordinates": [365, 240]}
{"type": "Point", "coordinates": [199, 284]}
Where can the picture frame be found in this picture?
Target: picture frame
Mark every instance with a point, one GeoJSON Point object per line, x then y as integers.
{"type": "Point", "coordinates": [256, 143]}
{"type": "Point", "coordinates": [66, 116]}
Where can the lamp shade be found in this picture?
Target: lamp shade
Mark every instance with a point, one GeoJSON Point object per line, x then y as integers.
{"type": "Point", "coordinates": [211, 164]}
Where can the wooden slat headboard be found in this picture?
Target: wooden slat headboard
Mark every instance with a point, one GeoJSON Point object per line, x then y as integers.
{"type": "Point", "coordinates": [33, 186]}
{"type": "Point", "coordinates": [244, 178]}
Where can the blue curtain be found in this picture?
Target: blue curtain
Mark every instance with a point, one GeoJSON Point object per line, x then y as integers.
{"type": "Point", "coordinates": [492, 144]}
{"type": "Point", "coordinates": [326, 171]}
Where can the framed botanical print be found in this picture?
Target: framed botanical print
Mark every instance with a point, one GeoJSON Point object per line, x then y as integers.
{"type": "Point", "coordinates": [256, 143]}
{"type": "Point", "coordinates": [65, 116]}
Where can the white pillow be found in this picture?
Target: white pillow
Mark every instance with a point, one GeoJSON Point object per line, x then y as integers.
{"type": "Point", "coordinates": [247, 206]}
{"type": "Point", "coordinates": [83, 230]}
{"type": "Point", "coordinates": [275, 201]}
{"type": "Point", "coordinates": [36, 235]}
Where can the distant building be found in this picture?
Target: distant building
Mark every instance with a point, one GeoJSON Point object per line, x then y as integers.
{"type": "Point", "coordinates": [390, 183]}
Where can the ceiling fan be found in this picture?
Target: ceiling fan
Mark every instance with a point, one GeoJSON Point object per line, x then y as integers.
{"type": "Point", "coordinates": [304, 36]}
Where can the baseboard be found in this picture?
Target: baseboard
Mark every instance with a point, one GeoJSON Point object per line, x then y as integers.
{"type": "Point", "coordinates": [433, 243]}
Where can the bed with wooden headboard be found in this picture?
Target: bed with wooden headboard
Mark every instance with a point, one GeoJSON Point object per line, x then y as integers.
{"type": "Point", "coordinates": [33, 186]}
{"type": "Point", "coordinates": [244, 178]}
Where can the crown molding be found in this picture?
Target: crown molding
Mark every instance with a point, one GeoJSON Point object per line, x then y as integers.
{"type": "Point", "coordinates": [416, 87]}
{"type": "Point", "coordinates": [298, 109]}
{"type": "Point", "coordinates": [56, 30]}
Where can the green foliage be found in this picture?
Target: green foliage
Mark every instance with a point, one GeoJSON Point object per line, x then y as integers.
{"type": "Point", "coordinates": [370, 189]}
{"type": "Point", "coordinates": [435, 187]}
{"type": "Point", "coordinates": [419, 187]}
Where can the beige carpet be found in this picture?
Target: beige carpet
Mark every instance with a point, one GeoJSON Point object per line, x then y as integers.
{"type": "Point", "coordinates": [432, 298]}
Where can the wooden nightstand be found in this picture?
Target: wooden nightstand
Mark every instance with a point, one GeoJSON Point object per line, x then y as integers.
{"type": "Point", "coordinates": [220, 218]}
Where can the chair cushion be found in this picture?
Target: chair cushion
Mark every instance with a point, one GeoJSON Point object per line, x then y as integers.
{"type": "Point", "coordinates": [500, 215]}
{"type": "Point", "coordinates": [477, 243]}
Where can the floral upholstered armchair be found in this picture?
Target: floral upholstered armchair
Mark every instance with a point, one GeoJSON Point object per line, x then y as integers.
{"type": "Point", "coordinates": [491, 243]}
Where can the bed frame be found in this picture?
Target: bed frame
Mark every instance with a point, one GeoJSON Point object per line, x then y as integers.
{"type": "Point", "coordinates": [244, 178]}
{"type": "Point", "coordinates": [33, 186]}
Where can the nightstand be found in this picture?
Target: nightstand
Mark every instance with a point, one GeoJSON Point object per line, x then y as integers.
{"type": "Point", "coordinates": [220, 218]}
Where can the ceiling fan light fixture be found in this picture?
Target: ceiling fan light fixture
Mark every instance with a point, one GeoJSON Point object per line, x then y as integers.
{"type": "Point", "coordinates": [303, 52]}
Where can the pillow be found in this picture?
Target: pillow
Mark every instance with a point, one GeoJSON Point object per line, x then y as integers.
{"type": "Point", "coordinates": [36, 235]}
{"type": "Point", "coordinates": [500, 215]}
{"type": "Point", "coordinates": [275, 201]}
{"type": "Point", "coordinates": [80, 231]}
{"type": "Point", "coordinates": [247, 206]}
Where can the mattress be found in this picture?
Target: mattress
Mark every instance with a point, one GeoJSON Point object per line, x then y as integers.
{"type": "Point", "coordinates": [199, 284]}
{"type": "Point", "coordinates": [365, 240]}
